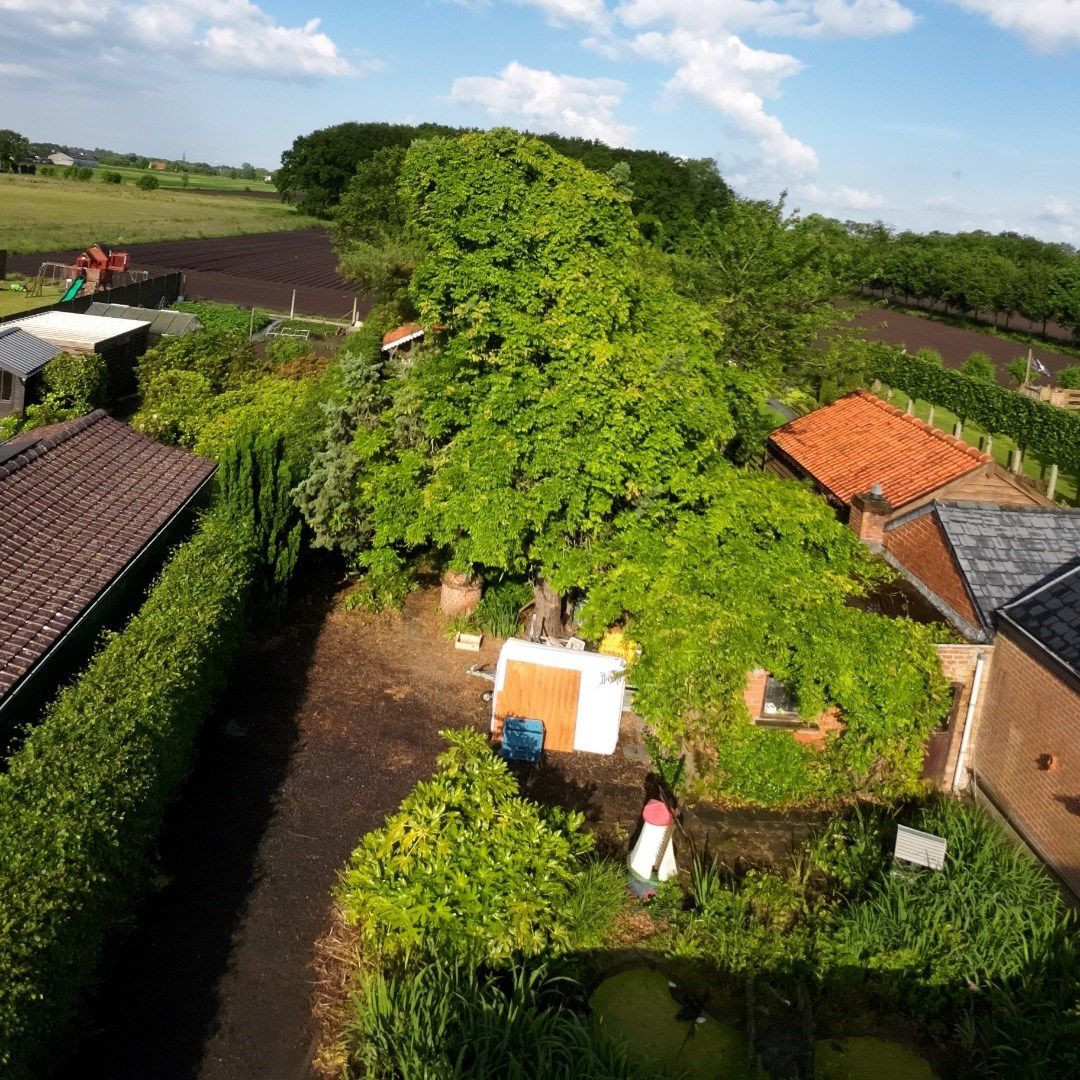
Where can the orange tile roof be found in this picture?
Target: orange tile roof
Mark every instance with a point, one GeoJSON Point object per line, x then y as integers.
{"type": "Point", "coordinates": [401, 334]}
{"type": "Point", "coordinates": [861, 440]}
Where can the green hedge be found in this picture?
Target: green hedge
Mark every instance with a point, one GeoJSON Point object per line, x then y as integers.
{"type": "Point", "coordinates": [83, 799]}
{"type": "Point", "coordinates": [1034, 425]}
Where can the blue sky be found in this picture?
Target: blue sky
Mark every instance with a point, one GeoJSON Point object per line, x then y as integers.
{"type": "Point", "coordinates": [925, 113]}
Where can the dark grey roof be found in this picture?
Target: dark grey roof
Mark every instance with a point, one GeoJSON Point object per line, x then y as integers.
{"type": "Point", "coordinates": [1051, 616]}
{"type": "Point", "coordinates": [1005, 552]}
{"type": "Point", "coordinates": [163, 323]}
{"type": "Point", "coordinates": [22, 353]}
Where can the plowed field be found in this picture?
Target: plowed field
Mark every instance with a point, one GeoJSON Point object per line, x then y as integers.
{"type": "Point", "coordinates": [954, 343]}
{"type": "Point", "coordinates": [254, 271]}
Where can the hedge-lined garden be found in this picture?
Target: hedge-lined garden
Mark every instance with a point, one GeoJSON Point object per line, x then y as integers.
{"type": "Point", "coordinates": [82, 800]}
{"type": "Point", "coordinates": [1045, 429]}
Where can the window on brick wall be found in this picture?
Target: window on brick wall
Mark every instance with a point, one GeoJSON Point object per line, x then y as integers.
{"type": "Point", "coordinates": [780, 709]}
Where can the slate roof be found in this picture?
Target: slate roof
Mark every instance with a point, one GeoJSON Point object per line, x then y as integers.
{"type": "Point", "coordinates": [80, 500]}
{"type": "Point", "coordinates": [163, 322]}
{"type": "Point", "coordinates": [1051, 615]}
{"type": "Point", "coordinates": [22, 353]}
{"type": "Point", "coordinates": [860, 440]}
{"type": "Point", "coordinates": [1005, 552]}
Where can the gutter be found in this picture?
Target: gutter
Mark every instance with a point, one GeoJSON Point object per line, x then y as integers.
{"type": "Point", "coordinates": [11, 696]}
{"type": "Point", "coordinates": [965, 739]}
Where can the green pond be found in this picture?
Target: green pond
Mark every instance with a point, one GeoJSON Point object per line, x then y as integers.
{"type": "Point", "coordinates": [862, 1057]}
{"type": "Point", "coordinates": [637, 1008]}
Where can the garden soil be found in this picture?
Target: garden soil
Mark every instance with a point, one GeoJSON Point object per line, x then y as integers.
{"type": "Point", "coordinates": [324, 729]}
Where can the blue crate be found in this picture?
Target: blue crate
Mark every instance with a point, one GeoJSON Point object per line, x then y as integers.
{"type": "Point", "coordinates": [522, 739]}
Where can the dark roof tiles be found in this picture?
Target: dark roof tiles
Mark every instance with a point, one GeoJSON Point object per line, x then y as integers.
{"type": "Point", "coordinates": [1005, 552]}
{"type": "Point", "coordinates": [80, 500]}
{"type": "Point", "coordinates": [1051, 616]}
{"type": "Point", "coordinates": [22, 353]}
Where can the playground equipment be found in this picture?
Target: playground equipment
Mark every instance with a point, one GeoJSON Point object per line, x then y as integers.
{"type": "Point", "coordinates": [96, 268]}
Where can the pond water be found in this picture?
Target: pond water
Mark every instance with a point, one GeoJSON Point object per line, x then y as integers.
{"type": "Point", "coordinates": [863, 1057]}
{"type": "Point", "coordinates": [637, 1008]}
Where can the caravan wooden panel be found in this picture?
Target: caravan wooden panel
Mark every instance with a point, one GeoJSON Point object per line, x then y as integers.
{"type": "Point", "coordinates": [542, 693]}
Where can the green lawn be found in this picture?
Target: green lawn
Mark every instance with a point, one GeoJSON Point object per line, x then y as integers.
{"type": "Point", "coordinates": [1000, 448]}
{"type": "Point", "coordinates": [11, 302]}
{"type": "Point", "coordinates": [169, 179]}
{"type": "Point", "coordinates": [42, 214]}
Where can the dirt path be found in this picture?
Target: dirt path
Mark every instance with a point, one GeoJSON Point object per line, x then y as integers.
{"type": "Point", "coordinates": [323, 732]}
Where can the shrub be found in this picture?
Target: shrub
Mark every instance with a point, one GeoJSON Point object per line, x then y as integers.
{"type": "Point", "coordinates": [174, 405]}
{"type": "Point", "coordinates": [596, 900]}
{"type": "Point", "coordinates": [78, 172]}
{"type": "Point", "coordinates": [499, 610]}
{"type": "Point", "coordinates": [83, 798]}
{"type": "Point", "coordinates": [979, 366]}
{"type": "Point", "coordinates": [284, 350]}
{"type": "Point", "coordinates": [222, 356]}
{"type": "Point", "coordinates": [76, 383]}
{"type": "Point", "coordinates": [1069, 377]}
{"type": "Point", "coordinates": [112, 177]}
{"type": "Point", "coordinates": [148, 183]}
{"type": "Point", "coordinates": [466, 868]}
{"type": "Point", "coordinates": [217, 317]}
{"type": "Point", "coordinates": [47, 170]}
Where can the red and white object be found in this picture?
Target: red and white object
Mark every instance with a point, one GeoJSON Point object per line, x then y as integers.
{"type": "Point", "coordinates": [653, 856]}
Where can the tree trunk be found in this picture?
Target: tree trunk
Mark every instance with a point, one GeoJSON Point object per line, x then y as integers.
{"type": "Point", "coordinates": [547, 609]}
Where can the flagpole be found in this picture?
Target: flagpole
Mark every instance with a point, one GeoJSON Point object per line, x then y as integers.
{"type": "Point", "coordinates": [1027, 373]}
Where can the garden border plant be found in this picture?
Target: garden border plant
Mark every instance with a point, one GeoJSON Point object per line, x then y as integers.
{"type": "Point", "coordinates": [83, 798]}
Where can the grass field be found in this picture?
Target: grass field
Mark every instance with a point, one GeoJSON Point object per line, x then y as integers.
{"type": "Point", "coordinates": [174, 180]}
{"type": "Point", "coordinates": [41, 214]}
{"type": "Point", "coordinates": [12, 302]}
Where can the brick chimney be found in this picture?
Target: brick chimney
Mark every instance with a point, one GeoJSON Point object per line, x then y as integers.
{"type": "Point", "coordinates": [869, 512]}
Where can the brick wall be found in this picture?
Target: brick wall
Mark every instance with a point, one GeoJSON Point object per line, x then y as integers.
{"type": "Point", "coordinates": [754, 696]}
{"type": "Point", "coordinates": [1029, 712]}
{"type": "Point", "coordinates": [920, 546]}
{"type": "Point", "coordinates": [754, 693]}
{"type": "Point", "coordinates": [958, 666]}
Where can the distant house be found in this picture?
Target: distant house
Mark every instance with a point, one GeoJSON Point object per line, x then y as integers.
{"type": "Point", "coordinates": [402, 338]}
{"type": "Point", "coordinates": [66, 160]}
{"type": "Point", "coordinates": [91, 508]}
{"type": "Point", "coordinates": [22, 359]}
{"type": "Point", "coordinates": [159, 165]}
{"type": "Point", "coordinates": [874, 463]}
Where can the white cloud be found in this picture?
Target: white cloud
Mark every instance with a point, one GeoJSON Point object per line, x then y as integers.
{"type": "Point", "coordinates": [1064, 216]}
{"type": "Point", "coordinates": [849, 198]}
{"type": "Point", "coordinates": [565, 103]}
{"type": "Point", "coordinates": [1046, 25]}
{"type": "Point", "coordinates": [701, 40]}
{"type": "Point", "coordinates": [234, 36]}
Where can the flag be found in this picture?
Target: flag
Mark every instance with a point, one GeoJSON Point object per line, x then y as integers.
{"type": "Point", "coordinates": [1039, 367]}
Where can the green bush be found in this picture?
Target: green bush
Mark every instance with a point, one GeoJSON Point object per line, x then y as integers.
{"type": "Point", "coordinates": [284, 350]}
{"type": "Point", "coordinates": [979, 366]}
{"type": "Point", "coordinates": [47, 170]}
{"type": "Point", "coordinates": [78, 172]}
{"type": "Point", "coordinates": [466, 868]}
{"type": "Point", "coordinates": [222, 356]}
{"type": "Point", "coordinates": [597, 898]}
{"type": "Point", "coordinates": [112, 177]}
{"type": "Point", "coordinates": [499, 610]}
{"type": "Point", "coordinates": [451, 1022]}
{"type": "Point", "coordinates": [174, 406]}
{"type": "Point", "coordinates": [83, 798]}
{"type": "Point", "coordinates": [76, 383]}
{"type": "Point", "coordinates": [217, 318]}
{"type": "Point", "coordinates": [1069, 377]}
{"type": "Point", "coordinates": [148, 183]}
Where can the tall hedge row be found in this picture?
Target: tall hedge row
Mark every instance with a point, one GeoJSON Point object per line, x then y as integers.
{"type": "Point", "coordinates": [1035, 425]}
{"type": "Point", "coordinates": [83, 799]}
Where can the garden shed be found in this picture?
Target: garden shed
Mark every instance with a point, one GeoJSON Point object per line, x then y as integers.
{"type": "Point", "coordinates": [119, 342]}
{"type": "Point", "coordinates": [577, 695]}
{"type": "Point", "coordinates": [22, 359]}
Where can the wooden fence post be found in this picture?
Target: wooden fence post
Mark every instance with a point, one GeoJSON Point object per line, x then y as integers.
{"type": "Point", "coordinates": [958, 429]}
{"type": "Point", "coordinates": [910, 410]}
{"type": "Point", "coordinates": [1016, 460]}
{"type": "Point", "coordinates": [930, 416]}
{"type": "Point", "coordinates": [1051, 484]}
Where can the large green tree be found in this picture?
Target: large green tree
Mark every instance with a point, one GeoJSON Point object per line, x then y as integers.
{"type": "Point", "coordinates": [569, 382]}
{"type": "Point", "coordinates": [13, 149]}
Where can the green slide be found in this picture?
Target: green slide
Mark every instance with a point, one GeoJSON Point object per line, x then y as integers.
{"type": "Point", "coordinates": [73, 289]}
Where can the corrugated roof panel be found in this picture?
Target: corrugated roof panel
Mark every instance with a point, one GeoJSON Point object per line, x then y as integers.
{"type": "Point", "coordinates": [163, 322]}
{"type": "Point", "coordinates": [75, 332]}
{"type": "Point", "coordinates": [22, 353]}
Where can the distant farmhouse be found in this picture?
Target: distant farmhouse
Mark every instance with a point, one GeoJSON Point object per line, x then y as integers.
{"type": "Point", "coordinates": [66, 160]}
